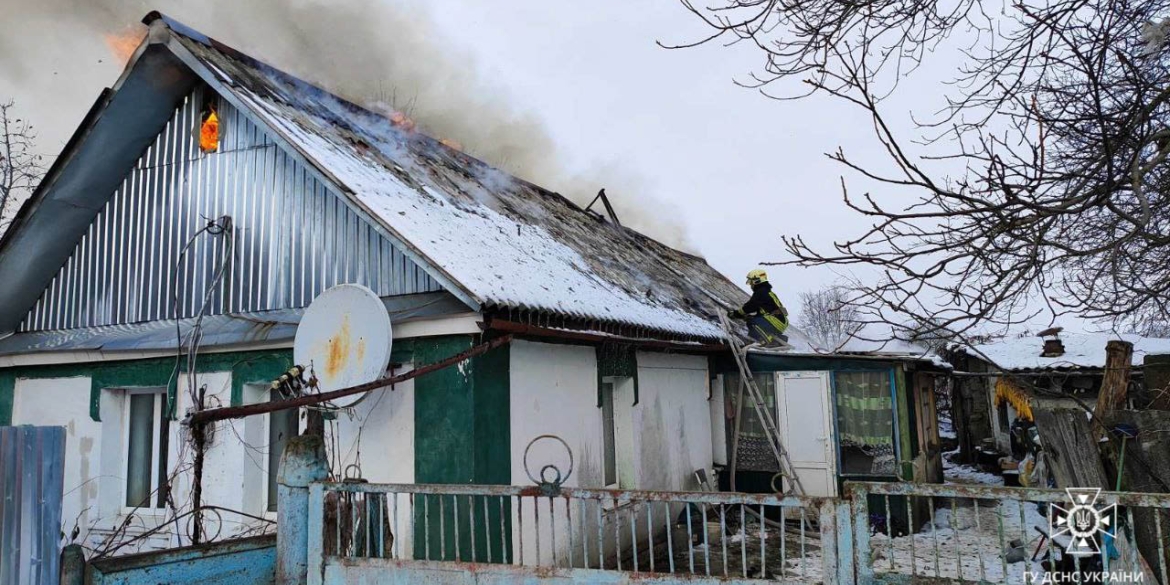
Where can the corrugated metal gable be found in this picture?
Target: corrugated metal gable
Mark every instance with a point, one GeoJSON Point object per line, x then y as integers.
{"type": "Point", "coordinates": [293, 236]}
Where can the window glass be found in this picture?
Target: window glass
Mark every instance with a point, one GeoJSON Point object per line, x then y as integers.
{"type": "Point", "coordinates": [755, 453]}
{"type": "Point", "coordinates": [282, 425]}
{"type": "Point", "coordinates": [865, 423]}
{"type": "Point", "coordinates": [607, 433]}
{"type": "Point", "coordinates": [140, 456]}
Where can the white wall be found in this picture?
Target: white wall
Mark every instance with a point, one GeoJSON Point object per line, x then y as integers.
{"type": "Point", "coordinates": [65, 402]}
{"type": "Point", "coordinates": [236, 461]}
{"type": "Point", "coordinates": [554, 391]}
{"type": "Point", "coordinates": [95, 459]}
{"type": "Point", "coordinates": [673, 417]}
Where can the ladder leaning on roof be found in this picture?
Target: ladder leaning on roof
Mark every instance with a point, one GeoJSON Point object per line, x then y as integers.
{"type": "Point", "coordinates": [762, 413]}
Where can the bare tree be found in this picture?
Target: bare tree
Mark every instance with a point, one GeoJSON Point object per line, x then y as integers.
{"type": "Point", "coordinates": [827, 318]}
{"type": "Point", "coordinates": [20, 167]}
{"type": "Point", "coordinates": [1041, 186]}
{"type": "Point", "coordinates": [1153, 326]}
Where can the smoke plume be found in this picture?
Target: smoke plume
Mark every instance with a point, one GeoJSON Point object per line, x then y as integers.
{"type": "Point", "coordinates": [55, 55]}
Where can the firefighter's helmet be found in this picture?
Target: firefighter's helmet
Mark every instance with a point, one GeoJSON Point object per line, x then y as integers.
{"type": "Point", "coordinates": [757, 276]}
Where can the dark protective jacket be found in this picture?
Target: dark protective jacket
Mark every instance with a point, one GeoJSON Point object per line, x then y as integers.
{"type": "Point", "coordinates": [764, 302]}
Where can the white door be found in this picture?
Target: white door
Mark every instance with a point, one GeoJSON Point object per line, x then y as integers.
{"type": "Point", "coordinates": [804, 410]}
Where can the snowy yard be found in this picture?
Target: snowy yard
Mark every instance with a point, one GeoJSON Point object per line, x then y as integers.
{"type": "Point", "coordinates": [966, 541]}
{"type": "Point", "coordinates": [958, 540]}
{"type": "Point", "coordinates": [991, 540]}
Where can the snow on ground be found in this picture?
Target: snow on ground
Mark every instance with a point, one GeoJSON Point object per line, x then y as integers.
{"type": "Point", "coordinates": [946, 429]}
{"type": "Point", "coordinates": [965, 542]}
{"type": "Point", "coordinates": [959, 542]}
{"type": "Point", "coordinates": [969, 475]}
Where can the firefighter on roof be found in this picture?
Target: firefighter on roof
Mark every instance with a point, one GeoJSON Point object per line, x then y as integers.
{"type": "Point", "coordinates": [767, 319]}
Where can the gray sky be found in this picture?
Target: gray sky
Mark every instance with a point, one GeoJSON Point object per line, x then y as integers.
{"type": "Point", "coordinates": [666, 130]}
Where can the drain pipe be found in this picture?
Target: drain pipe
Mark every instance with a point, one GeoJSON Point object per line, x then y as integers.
{"type": "Point", "coordinates": [302, 463]}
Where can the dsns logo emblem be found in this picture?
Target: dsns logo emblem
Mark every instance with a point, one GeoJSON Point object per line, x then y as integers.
{"type": "Point", "coordinates": [1083, 521]}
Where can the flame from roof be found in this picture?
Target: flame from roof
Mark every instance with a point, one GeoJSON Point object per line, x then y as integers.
{"type": "Point", "coordinates": [402, 121]}
{"type": "Point", "coordinates": [209, 133]}
{"type": "Point", "coordinates": [122, 45]}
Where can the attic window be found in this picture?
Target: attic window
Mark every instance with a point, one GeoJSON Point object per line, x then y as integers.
{"type": "Point", "coordinates": [209, 127]}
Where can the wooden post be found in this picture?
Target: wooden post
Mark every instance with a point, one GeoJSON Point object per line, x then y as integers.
{"type": "Point", "coordinates": [1118, 363]}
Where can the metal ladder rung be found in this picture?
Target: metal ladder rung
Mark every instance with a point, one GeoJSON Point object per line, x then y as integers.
{"type": "Point", "coordinates": [762, 413]}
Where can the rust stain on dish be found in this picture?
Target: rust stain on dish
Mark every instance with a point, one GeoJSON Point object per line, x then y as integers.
{"type": "Point", "coordinates": [338, 353]}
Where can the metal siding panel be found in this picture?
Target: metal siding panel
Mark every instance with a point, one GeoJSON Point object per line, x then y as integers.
{"type": "Point", "coordinates": [296, 220]}
{"type": "Point", "coordinates": [268, 221]}
{"type": "Point", "coordinates": [8, 461]}
{"type": "Point", "coordinates": [32, 460]}
{"type": "Point", "coordinates": [157, 208]}
{"type": "Point", "coordinates": [286, 232]}
{"type": "Point", "coordinates": [133, 245]}
{"type": "Point", "coordinates": [149, 241]}
{"type": "Point", "coordinates": [293, 238]}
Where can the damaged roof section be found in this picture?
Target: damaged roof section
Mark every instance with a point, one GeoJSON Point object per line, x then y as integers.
{"type": "Point", "coordinates": [507, 243]}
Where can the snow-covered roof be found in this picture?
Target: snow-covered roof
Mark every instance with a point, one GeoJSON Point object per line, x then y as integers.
{"type": "Point", "coordinates": [505, 242]}
{"type": "Point", "coordinates": [1081, 351]}
{"type": "Point", "coordinates": [894, 349]}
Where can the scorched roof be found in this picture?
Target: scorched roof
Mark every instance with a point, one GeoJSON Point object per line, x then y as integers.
{"type": "Point", "coordinates": [506, 242]}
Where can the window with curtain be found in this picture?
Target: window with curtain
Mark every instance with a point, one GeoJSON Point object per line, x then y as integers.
{"type": "Point", "coordinates": [865, 423]}
{"type": "Point", "coordinates": [754, 453]}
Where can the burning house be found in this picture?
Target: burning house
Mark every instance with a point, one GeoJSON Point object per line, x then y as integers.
{"type": "Point", "coordinates": [165, 262]}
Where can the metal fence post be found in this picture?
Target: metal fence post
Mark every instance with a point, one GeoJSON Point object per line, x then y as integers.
{"type": "Point", "coordinates": [316, 541]}
{"type": "Point", "coordinates": [302, 463]}
{"type": "Point", "coordinates": [859, 500]}
{"type": "Point", "coordinates": [827, 522]}
{"type": "Point", "coordinates": [845, 559]}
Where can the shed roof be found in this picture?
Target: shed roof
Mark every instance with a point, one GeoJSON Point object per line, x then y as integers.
{"type": "Point", "coordinates": [1081, 351]}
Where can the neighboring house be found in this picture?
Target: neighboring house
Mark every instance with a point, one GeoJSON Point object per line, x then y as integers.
{"type": "Point", "coordinates": [125, 248]}
{"type": "Point", "coordinates": [1069, 375]}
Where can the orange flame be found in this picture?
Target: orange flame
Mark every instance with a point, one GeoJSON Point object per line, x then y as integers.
{"type": "Point", "coordinates": [209, 133]}
{"type": "Point", "coordinates": [402, 121]}
{"type": "Point", "coordinates": [452, 144]}
{"type": "Point", "coordinates": [122, 45]}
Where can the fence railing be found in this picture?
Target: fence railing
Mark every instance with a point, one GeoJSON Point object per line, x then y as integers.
{"type": "Point", "coordinates": [728, 535]}
{"type": "Point", "coordinates": [878, 533]}
{"type": "Point", "coordinates": [955, 533]}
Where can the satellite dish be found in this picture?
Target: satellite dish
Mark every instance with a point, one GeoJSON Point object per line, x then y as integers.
{"type": "Point", "coordinates": [344, 339]}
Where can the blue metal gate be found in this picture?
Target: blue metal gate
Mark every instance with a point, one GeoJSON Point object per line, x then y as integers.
{"type": "Point", "coordinates": [32, 464]}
